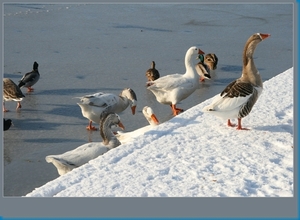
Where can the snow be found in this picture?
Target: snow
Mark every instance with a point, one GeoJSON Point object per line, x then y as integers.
{"type": "Point", "coordinates": [196, 155]}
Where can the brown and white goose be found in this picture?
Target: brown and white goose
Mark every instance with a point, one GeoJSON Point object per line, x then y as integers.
{"type": "Point", "coordinates": [152, 73]}
{"type": "Point", "coordinates": [238, 98]}
{"type": "Point", "coordinates": [74, 158]}
{"type": "Point", "coordinates": [173, 88]}
{"type": "Point", "coordinates": [11, 92]}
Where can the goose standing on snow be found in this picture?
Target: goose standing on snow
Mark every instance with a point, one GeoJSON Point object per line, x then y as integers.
{"type": "Point", "coordinates": [238, 98]}
{"type": "Point", "coordinates": [93, 105]}
{"type": "Point", "coordinates": [11, 92]}
{"type": "Point", "coordinates": [29, 79]}
{"type": "Point", "coordinates": [74, 158]}
{"type": "Point", "coordinates": [202, 69]}
{"type": "Point", "coordinates": [174, 88]}
{"type": "Point", "coordinates": [6, 124]}
{"type": "Point", "coordinates": [152, 73]}
{"type": "Point", "coordinates": [124, 137]}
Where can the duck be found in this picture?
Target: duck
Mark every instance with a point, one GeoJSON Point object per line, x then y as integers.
{"type": "Point", "coordinates": [150, 116]}
{"type": "Point", "coordinates": [152, 73]}
{"type": "Point", "coordinates": [239, 96]}
{"type": "Point", "coordinates": [173, 88]}
{"type": "Point", "coordinates": [11, 92]}
{"type": "Point", "coordinates": [211, 60]}
{"type": "Point", "coordinates": [202, 69]}
{"type": "Point", "coordinates": [7, 123]}
{"type": "Point", "coordinates": [69, 160]}
{"type": "Point", "coordinates": [93, 105]}
{"type": "Point", "coordinates": [30, 78]}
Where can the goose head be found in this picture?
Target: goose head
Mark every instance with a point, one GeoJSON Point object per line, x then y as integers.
{"type": "Point", "coordinates": [211, 60]}
{"type": "Point", "coordinates": [150, 116]}
{"type": "Point", "coordinates": [251, 44]}
{"type": "Point", "coordinates": [130, 95]}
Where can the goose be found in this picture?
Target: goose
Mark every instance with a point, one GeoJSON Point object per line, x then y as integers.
{"type": "Point", "coordinates": [238, 98]}
{"type": "Point", "coordinates": [211, 60]}
{"type": "Point", "coordinates": [202, 69]}
{"type": "Point", "coordinates": [173, 88]}
{"type": "Point", "coordinates": [152, 73]}
{"type": "Point", "coordinates": [6, 124]}
{"type": "Point", "coordinates": [29, 79]}
{"type": "Point", "coordinates": [148, 112]}
{"type": "Point", "coordinates": [74, 158]}
{"type": "Point", "coordinates": [11, 92]}
{"type": "Point", "coordinates": [93, 105]}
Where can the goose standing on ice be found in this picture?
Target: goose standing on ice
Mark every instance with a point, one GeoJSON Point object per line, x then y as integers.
{"type": "Point", "coordinates": [152, 73]}
{"type": "Point", "coordinates": [74, 158]}
{"type": "Point", "coordinates": [29, 79]}
{"type": "Point", "coordinates": [238, 98]}
{"type": "Point", "coordinates": [11, 92]}
{"type": "Point", "coordinates": [93, 105]}
{"type": "Point", "coordinates": [174, 88]}
{"type": "Point", "coordinates": [124, 137]}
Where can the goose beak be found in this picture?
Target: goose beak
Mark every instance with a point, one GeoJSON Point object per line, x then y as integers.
{"type": "Point", "coordinates": [154, 118]}
{"type": "Point", "coordinates": [264, 36]}
{"type": "Point", "coordinates": [121, 125]}
{"type": "Point", "coordinates": [133, 109]}
{"type": "Point", "coordinates": [200, 51]}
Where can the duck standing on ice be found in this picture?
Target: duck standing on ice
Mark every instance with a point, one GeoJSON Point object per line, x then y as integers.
{"type": "Point", "coordinates": [238, 98]}
{"type": "Point", "coordinates": [173, 88]}
{"type": "Point", "coordinates": [29, 79]}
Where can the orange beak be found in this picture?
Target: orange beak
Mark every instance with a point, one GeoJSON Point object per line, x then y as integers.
{"type": "Point", "coordinates": [264, 36]}
{"type": "Point", "coordinates": [153, 117]}
{"type": "Point", "coordinates": [121, 125]}
{"type": "Point", "coordinates": [200, 51]}
{"type": "Point", "coordinates": [133, 109]}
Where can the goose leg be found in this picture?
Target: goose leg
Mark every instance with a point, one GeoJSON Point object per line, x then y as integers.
{"type": "Point", "coordinates": [230, 124]}
{"type": "Point", "coordinates": [239, 127]}
{"type": "Point", "coordinates": [175, 110]}
{"type": "Point", "coordinates": [90, 127]}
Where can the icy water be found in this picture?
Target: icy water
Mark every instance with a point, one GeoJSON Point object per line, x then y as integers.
{"type": "Point", "coordinates": [86, 48]}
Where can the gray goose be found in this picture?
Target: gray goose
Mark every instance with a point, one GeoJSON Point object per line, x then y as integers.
{"type": "Point", "coordinates": [11, 92]}
{"type": "Point", "coordinates": [239, 97]}
{"type": "Point", "coordinates": [74, 158]}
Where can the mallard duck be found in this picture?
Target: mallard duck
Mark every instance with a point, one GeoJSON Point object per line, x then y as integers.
{"type": "Point", "coordinates": [152, 73]}
{"type": "Point", "coordinates": [29, 79]}
{"type": "Point", "coordinates": [93, 105]}
{"type": "Point", "coordinates": [11, 92]}
{"type": "Point", "coordinates": [171, 89]}
{"type": "Point", "coordinates": [202, 69]}
{"type": "Point", "coordinates": [125, 137]}
{"type": "Point", "coordinates": [6, 124]}
{"type": "Point", "coordinates": [211, 60]}
{"type": "Point", "coordinates": [74, 158]}
{"type": "Point", "coordinates": [239, 97]}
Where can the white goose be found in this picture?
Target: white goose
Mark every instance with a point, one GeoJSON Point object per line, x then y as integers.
{"type": "Point", "coordinates": [71, 159]}
{"type": "Point", "coordinates": [93, 105]}
{"type": "Point", "coordinates": [11, 92]}
{"type": "Point", "coordinates": [174, 88]}
{"type": "Point", "coordinates": [238, 98]}
{"type": "Point", "coordinates": [125, 137]}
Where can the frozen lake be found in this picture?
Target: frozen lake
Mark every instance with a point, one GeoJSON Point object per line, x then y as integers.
{"type": "Point", "coordinates": [86, 48]}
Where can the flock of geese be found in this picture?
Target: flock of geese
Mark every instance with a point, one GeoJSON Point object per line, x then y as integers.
{"type": "Point", "coordinates": [235, 101]}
